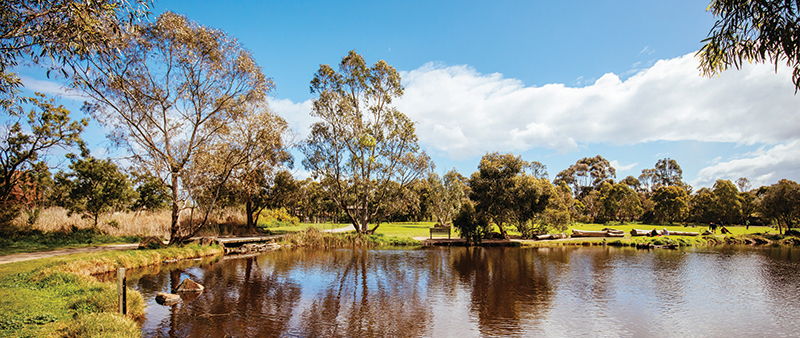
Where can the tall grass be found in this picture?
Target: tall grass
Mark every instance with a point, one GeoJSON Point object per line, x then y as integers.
{"type": "Point", "coordinates": [140, 224]}
{"type": "Point", "coordinates": [116, 224]}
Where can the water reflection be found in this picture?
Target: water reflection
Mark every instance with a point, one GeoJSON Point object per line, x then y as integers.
{"type": "Point", "coordinates": [489, 292]}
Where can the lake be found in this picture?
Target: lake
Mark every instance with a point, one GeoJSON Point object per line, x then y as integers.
{"type": "Point", "coordinates": [485, 292]}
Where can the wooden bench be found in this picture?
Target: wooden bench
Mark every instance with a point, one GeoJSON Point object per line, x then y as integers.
{"type": "Point", "coordinates": [440, 231]}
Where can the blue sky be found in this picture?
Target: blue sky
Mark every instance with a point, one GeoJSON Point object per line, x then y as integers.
{"type": "Point", "coordinates": [551, 81]}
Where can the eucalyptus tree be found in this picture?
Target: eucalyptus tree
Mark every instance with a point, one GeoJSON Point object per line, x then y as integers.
{"type": "Point", "coordinates": [172, 87]}
{"type": "Point", "coordinates": [26, 139]}
{"type": "Point", "coordinates": [446, 193]}
{"type": "Point", "coordinates": [586, 174]}
{"type": "Point", "coordinates": [764, 31]}
{"type": "Point", "coordinates": [620, 202]}
{"type": "Point", "coordinates": [241, 162]}
{"type": "Point", "coordinates": [53, 31]}
{"type": "Point", "coordinates": [781, 202]}
{"type": "Point", "coordinates": [671, 203]}
{"type": "Point", "coordinates": [361, 142]}
{"type": "Point", "coordinates": [729, 201]}
{"type": "Point", "coordinates": [505, 193]}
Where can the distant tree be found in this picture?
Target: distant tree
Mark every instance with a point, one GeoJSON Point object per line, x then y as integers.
{"type": "Point", "coordinates": [620, 202]}
{"type": "Point", "coordinates": [255, 149]}
{"type": "Point", "coordinates": [729, 202]}
{"type": "Point", "coordinates": [671, 203]}
{"type": "Point", "coordinates": [471, 225]}
{"type": "Point", "coordinates": [592, 206]}
{"type": "Point", "coordinates": [446, 195]}
{"type": "Point", "coordinates": [781, 202]}
{"type": "Point", "coordinates": [752, 31]}
{"type": "Point", "coordinates": [504, 193]}
{"type": "Point", "coordinates": [632, 182]}
{"type": "Point", "coordinates": [95, 187]}
{"type": "Point", "coordinates": [648, 180]}
{"type": "Point", "coordinates": [749, 205]}
{"type": "Point", "coordinates": [703, 206]}
{"type": "Point", "coordinates": [151, 193]}
{"type": "Point", "coordinates": [743, 184]}
{"type": "Point", "coordinates": [26, 140]}
{"type": "Point", "coordinates": [587, 174]}
{"type": "Point", "coordinates": [170, 89]}
{"type": "Point", "coordinates": [668, 173]}
{"type": "Point", "coordinates": [361, 142]}
{"type": "Point", "coordinates": [284, 192]}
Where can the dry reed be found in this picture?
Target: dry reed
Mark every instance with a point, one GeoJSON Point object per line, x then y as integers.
{"type": "Point", "coordinates": [141, 224]}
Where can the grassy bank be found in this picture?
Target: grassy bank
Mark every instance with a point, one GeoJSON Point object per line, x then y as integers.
{"type": "Point", "coordinates": [313, 237]}
{"type": "Point", "coordinates": [59, 297]}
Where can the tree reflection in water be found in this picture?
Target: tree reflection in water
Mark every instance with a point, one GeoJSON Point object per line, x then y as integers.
{"type": "Point", "coordinates": [490, 292]}
{"type": "Point", "coordinates": [508, 285]}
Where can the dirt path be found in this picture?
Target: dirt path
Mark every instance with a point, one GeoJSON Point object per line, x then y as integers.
{"type": "Point", "coordinates": [344, 229]}
{"type": "Point", "coordinates": [47, 254]}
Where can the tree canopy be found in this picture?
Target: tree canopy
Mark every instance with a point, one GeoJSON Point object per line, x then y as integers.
{"type": "Point", "coordinates": [362, 143]}
{"type": "Point", "coordinates": [58, 30]}
{"type": "Point", "coordinates": [752, 31]}
{"type": "Point", "coordinates": [172, 88]}
{"type": "Point", "coordinates": [505, 193]}
{"type": "Point", "coordinates": [94, 187]}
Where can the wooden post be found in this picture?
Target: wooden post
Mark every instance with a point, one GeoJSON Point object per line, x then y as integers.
{"type": "Point", "coordinates": [122, 289]}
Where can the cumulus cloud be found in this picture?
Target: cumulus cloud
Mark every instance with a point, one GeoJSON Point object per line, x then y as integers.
{"type": "Point", "coordinates": [464, 113]}
{"type": "Point", "coordinates": [296, 115]}
{"type": "Point", "coordinates": [761, 167]}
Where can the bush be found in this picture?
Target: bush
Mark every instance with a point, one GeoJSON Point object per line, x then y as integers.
{"type": "Point", "coordinates": [279, 215]}
{"type": "Point", "coordinates": [469, 225]}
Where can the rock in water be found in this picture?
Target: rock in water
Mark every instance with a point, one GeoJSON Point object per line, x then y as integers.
{"type": "Point", "coordinates": [167, 299]}
{"type": "Point", "coordinates": [188, 285]}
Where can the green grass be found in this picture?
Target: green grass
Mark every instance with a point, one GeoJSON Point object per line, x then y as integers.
{"type": "Point", "coordinates": [312, 237]}
{"type": "Point", "coordinates": [35, 240]}
{"type": "Point", "coordinates": [626, 227]}
{"type": "Point", "coordinates": [280, 228]}
{"type": "Point", "coordinates": [58, 297]}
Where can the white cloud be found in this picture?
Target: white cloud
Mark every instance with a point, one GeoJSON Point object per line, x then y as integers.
{"type": "Point", "coordinates": [622, 168]}
{"type": "Point", "coordinates": [296, 115]}
{"type": "Point", "coordinates": [465, 114]}
{"type": "Point", "coordinates": [761, 167]}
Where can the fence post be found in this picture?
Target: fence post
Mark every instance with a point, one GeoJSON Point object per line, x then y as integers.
{"type": "Point", "coordinates": [122, 289]}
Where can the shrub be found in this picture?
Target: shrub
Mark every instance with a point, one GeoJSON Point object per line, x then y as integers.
{"type": "Point", "coordinates": [469, 225]}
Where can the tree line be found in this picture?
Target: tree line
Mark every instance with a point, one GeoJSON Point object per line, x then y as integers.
{"type": "Point", "coordinates": [189, 106]}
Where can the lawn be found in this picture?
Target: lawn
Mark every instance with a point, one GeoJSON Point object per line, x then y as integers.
{"type": "Point", "coordinates": [735, 230]}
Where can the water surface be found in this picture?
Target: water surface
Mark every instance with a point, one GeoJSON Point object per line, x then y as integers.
{"type": "Point", "coordinates": [487, 292]}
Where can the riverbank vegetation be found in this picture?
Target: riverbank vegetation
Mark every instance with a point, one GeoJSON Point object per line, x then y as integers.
{"type": "Point", "coordinates": [366, 165]}
{"type": "Point", "coordinates": [312, 237]}
{"type": "Point", "coordinates": [60, 297]}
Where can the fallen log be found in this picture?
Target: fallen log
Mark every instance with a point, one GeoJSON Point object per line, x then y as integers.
{"type": "Point", "coordinates": [551, 236]}
{"type": "Point", "coordinates": [683, 233]}
{"type": "Point", "coordinates": [640, 232]}
{"type": "Point", "coordinates": [613, 231]}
